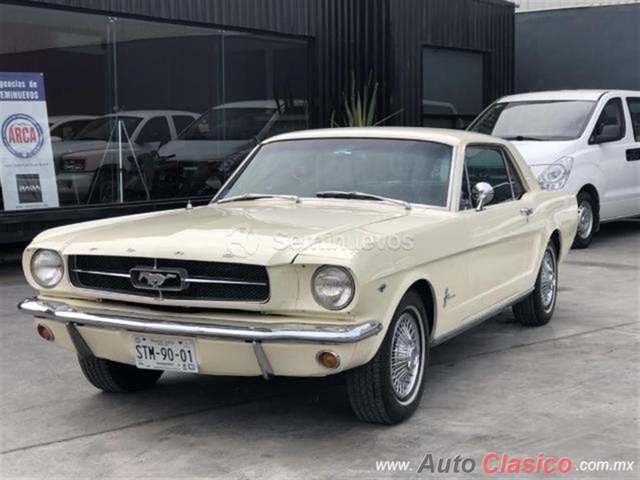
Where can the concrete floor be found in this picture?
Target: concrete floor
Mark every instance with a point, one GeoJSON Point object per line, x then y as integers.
{"type": "Point", "coordinates": [569, 389]}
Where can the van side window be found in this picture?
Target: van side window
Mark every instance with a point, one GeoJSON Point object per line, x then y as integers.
{"type": "Point", "coordinates": [612, 115]}
{"type": "Point", "coordinates": [634, 111]}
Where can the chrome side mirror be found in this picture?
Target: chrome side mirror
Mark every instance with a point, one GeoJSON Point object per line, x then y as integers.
{"type": "Point", "coordinates": [482, 195]}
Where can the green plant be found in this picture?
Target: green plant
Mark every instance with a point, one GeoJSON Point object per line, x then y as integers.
{"type": "Point", "coordinates": [360, 107]}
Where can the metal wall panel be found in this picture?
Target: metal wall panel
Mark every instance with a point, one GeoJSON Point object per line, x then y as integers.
{"type": "Point", "coordinates": [382, 37]}
{"type": "Point", "coordinates": [348, 37]}
{"type": "Point", "coordinates": [608, 60]}
{"type": "Point", "coordinates": [486, 26]}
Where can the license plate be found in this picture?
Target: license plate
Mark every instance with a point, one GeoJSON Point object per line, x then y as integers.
{"type": "Point", "coordinates": [174, 354]}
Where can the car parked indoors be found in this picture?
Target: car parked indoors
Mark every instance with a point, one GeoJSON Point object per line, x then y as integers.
{"type": "Point", "coordinates": [87, 166]}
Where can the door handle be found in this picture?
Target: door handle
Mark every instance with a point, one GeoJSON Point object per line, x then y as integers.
{"type": "Point", "coordinates": [526, 211]}
{"type": "Point", "coordinates": [633, 155]}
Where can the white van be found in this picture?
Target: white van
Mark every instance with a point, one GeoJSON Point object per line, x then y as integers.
{"type": "Point", "coordinates": [584, 141]}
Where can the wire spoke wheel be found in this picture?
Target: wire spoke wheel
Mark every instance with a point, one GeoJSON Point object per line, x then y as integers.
{"type": "Point", "coordinates": [406, 355]}
{"type": "Point", "coordinates": [548, 280]}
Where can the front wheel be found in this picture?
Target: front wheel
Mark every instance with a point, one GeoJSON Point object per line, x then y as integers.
{"type": "Point", "coordinates": [117, 377]}
{"type": "Point", "coordinates": [389, 388]}
{"type": "Point", "coordinates": [537, 309]}
{"type": "Point", "coordinates": [587, 220]}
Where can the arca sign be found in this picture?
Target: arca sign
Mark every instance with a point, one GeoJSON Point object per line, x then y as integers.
{"type": "Point", "coordinates": [22, 135]}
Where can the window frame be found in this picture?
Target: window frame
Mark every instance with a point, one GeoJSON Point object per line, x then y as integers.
{"type": "Point", "coordinates": [69, 213]}
{"type": "Point", "coordinates": [456, 118]}
{"type": "Point", "coordinates": [635, 135]}
{"type": "Point", "coordinates": [175, 125]}
{"type": "Point", "coordinates": [507, 159]}
{"type": "Point", "coordinates": [148, 122]}
{"type": "Point", "coordinates": [623, 130]}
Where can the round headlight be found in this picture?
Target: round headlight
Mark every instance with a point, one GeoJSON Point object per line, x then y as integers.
{"type": "Point", "coordinates": [47, 268]}
{"type": "Point", "coordinates": [332, 287]}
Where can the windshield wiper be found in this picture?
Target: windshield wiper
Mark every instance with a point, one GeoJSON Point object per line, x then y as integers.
{"type": "Point", "coordinates": [362, 196]}
{"type": "Point", "coordinates": [257, 196]}
{"type": "Point", "coordinates": [521, 138]}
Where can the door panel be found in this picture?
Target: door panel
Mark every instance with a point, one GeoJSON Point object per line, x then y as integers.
{"type": "Point", "coordinates": [620, 196]}
{"type": "Point", "coordinates": [503, 236]}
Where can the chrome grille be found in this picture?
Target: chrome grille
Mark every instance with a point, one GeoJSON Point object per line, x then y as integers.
{"type": "Point", "coordinates": [214, 281]}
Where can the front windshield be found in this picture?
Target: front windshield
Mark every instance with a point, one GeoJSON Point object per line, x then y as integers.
{"type": "Point", "coordinates": [540, 120]}
{"type": "Point", "coordinates": [104, 127]}
{"type": "Point", "coordinates": [229, 124]}
{"type": "Point", "coordinates": [412, 171]}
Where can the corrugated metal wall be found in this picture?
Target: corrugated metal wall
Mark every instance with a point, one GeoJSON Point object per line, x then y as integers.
{"type": "Point", "coordinates": [465, 24]}
{"type": "Point", "coordinates": [359, 36]}
{"type": "Point", "coordinates": [526, 5]}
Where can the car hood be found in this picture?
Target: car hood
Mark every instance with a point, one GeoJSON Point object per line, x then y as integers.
{"type": "Point", "coordinates": [262, 234]}
{"type": "Point", "coordinates": [541, 154]}
{"type": "Point", "coordinates": [202, 150]}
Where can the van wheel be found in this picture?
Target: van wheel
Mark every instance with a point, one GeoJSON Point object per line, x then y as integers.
{"type": "Point", "coordinates": [389, 388]}
{"type": "Point", "coordinates": [537, 309]}
{"type": "Point", "coordinates": [117, 377]}
{"type": "Point", "coordinates": [587, 220]}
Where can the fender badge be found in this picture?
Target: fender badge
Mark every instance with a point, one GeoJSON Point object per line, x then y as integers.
{"type": "Point", "coordinates": [447, 296]}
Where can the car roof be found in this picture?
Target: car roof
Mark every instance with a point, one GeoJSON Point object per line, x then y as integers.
{"type": "Point", "coordinates": [440, 135]}
{"type": "Point", "coordinates": [589, 95]}
{"type": "Point", "coordinates": [259, 104]}
{"type": "Point", "coordinates": [150, 113]}
{"type": "Point", "coordinates": [60, 118]}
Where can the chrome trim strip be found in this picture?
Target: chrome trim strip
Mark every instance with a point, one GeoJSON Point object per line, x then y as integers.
{"type": "Point", "coordinates": [245, 331]}
{"type": "Point", "coordinates": [185, 280]}
{"type": "Point", "coordinates": [104, 274]}
{"type": "Point", "coordinates": [226, 282]}
{"type": "Point", "coordinates": [478, 318]}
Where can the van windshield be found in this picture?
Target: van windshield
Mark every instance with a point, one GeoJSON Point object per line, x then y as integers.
{"type": "Point", "coordinates": [540, 120]}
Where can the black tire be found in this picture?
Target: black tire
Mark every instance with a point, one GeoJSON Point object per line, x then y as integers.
{"type": "Point", "coordinates": [534, 311]}
{"type": "Point", "coordinates": [584, 234]}
{"type": "Point", "coordinates": [370, 387]}
{"type": "Point", "coordinates": [117, 377]}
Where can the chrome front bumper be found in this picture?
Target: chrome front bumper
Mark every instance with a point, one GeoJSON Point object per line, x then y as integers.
{"type": "Point", "coordinates": [233, 330]}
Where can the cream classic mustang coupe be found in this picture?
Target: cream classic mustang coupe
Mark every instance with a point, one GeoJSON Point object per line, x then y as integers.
{"type": "Point", "coordinates": [328, 251]}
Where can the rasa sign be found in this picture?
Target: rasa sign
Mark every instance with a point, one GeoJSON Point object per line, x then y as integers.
{"type": "Point", "coordinates": [27, 173]}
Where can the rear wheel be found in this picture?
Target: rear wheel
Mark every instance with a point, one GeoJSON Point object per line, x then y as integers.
{"type": "Point", "coordinates": [117, 377]}
{"type": "Point", "coordinates": [389, 388]}
{"type": "Point", "coordinates": [537, 309]}
{"type": "Point", "coordinates": [587, 220]}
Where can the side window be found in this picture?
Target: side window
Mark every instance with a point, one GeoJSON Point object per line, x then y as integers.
{"type": "Point", "coordinates": [486, 164]}
{"type": "Point", "coordinates": [68, 130]}
{"type": "Point", "coordinates": [156, 130]}
{"type": "Point", "coordinates": [516, 182]}
{"type": "Point", "coordinates": [610, 124]}
{"type": "Point", "coordinates": [634, 111]}
{"type": "Point", "coordinates": [181, 122]}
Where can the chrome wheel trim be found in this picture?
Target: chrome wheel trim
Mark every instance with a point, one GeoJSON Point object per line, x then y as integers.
{"type": "Point", "coordinates": [407, 355]}
{"type": "Point", "coordinates": [548, 280]}
{"type": "Point", "coordinates": [585, 220]}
